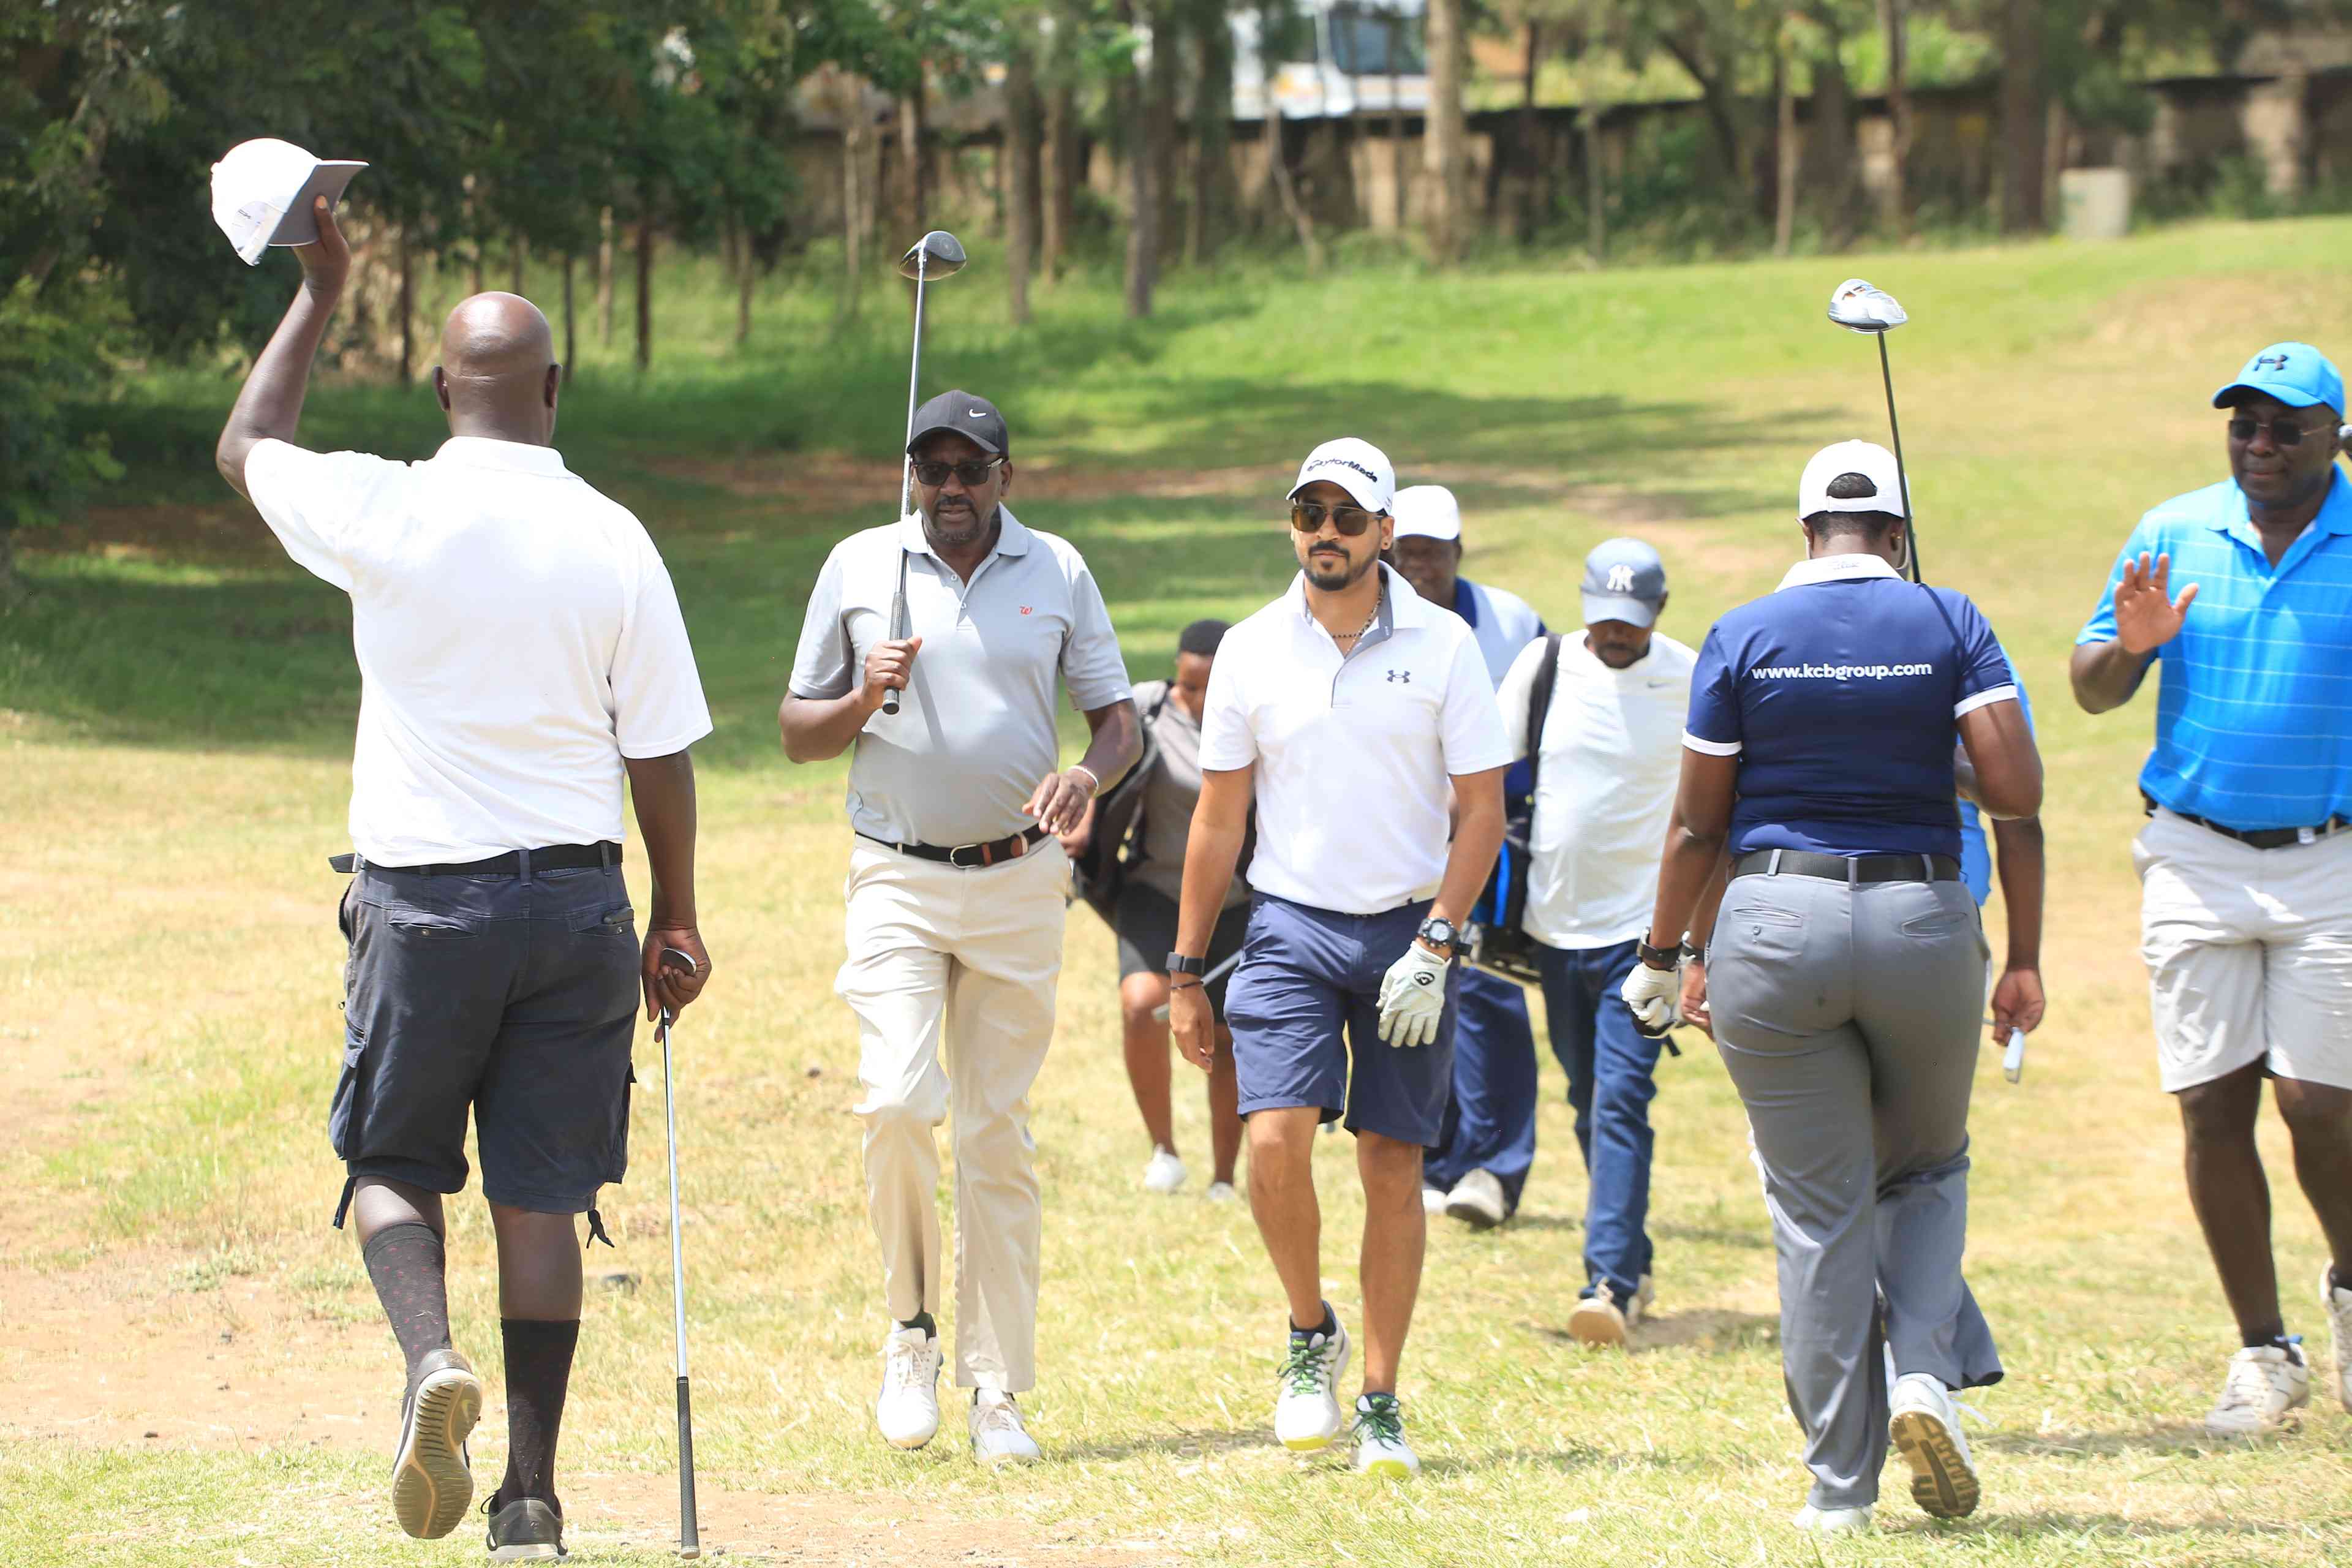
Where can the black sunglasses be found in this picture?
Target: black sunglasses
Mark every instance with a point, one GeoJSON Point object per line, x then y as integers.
{"type": "Point", "coordinates": [972, 474]}
{"type": "Point", "coordinates": [1307, 517]}
{"type": "Point", "coordinates": [2285, 432]}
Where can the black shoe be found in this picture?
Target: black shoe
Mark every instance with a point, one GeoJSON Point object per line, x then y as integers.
{"type": "Point", "coordinates": [524, 1531]}
{"type": "Point", "coordinates": [432, 1476]}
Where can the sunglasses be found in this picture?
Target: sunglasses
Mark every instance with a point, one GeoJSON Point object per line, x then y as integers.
{"type": "Point", "coordinates": [933, 474]}
{"type": "Point", "coordinates": [2284, 432]}
{"type": "Point", "coordinates": [1307, 516]}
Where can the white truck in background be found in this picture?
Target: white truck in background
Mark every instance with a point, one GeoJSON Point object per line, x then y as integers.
{"type": "Point", "coordinates": [1329, 59]}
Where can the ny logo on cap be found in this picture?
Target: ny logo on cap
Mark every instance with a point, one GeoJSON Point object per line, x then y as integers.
{"type": "Point", "coordinates": [1620, 579]}
{"type": "Point", "coordinates": [2270, 362]}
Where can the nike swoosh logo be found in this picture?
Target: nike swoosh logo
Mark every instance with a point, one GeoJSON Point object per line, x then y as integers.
{"type": "Point", "coordinates": [978, 413]}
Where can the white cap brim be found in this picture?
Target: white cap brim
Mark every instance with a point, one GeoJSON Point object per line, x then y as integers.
{"type": "Point", "coordinates": [1619, 607]}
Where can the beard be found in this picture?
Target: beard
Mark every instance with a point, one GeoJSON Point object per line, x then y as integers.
{"type": "Point", "coordinates": [1333, 579]}
{"type": "Point", "coordinates": [1619, 658]}
{"type": "Point", "coordinates": [966, 525]}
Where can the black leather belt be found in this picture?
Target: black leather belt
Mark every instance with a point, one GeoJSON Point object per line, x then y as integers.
{"type": "Point", "coordinates": [2262, 837]}
{"type": "Point", "coordinates": [554, 858]}
{"type": "Point", "coordinates": [1847, 867]}
{"type": "Point", "coordinates": [967, 857]}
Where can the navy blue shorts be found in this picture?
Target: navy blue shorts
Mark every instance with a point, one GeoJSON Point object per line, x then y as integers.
{"type": "Point", "coordinates": [513, 999]}
{"type": "Point", "coordinates": [1304, 1002]}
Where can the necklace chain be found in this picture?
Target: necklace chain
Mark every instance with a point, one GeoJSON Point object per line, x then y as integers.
{"type": "Point", "coordinates": [1379, 595]}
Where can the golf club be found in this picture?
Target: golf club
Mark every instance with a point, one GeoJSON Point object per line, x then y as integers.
{"type": "Point", "coordinates": [2013, 1061]}
{"type": "Point", "coordinates": [689, 1530]}
{"type": "Point", "coordinates": [938, 254]}
{"type": "Point", "coordinates": [1859, 308]}
{"type": "Point", "coordinates": [1160, 1012]}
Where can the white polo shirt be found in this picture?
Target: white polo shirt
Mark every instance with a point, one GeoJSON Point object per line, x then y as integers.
{"type": "Point", "coordinates": [517, 634]}
{"type": "Point", "coordinates": [1612, 754]}
{"type": "Point", "coordinates": [1352, 753]}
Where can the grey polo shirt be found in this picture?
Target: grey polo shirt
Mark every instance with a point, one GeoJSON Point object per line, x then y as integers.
{"type": "Point", "coordinates": [975, 731]}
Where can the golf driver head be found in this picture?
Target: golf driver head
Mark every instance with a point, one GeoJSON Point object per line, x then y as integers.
{"type": "Point", "coordinates": [938, 254]}
{"type": "Point", "coordinates": [1859, 308]}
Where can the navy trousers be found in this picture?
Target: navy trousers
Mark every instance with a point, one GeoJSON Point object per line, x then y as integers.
{"type": "Point", "coordinates": [1490, 1122]}
{"type": "Point", "coordinates": [1611, 1081]}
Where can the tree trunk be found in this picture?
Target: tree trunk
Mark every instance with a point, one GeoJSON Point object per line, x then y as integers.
{"type": "Point", "coordinates": [605, 277]}
{"type": "Point", "coordinates": [1784, 194]}
{"type": "Point", "coordinates": [910, 152]}
{"type": "Point", "coordinates": [1827, 173]}
{"type": "Point", "coordinates": [519, 258]}
{"type": "Point", "coordinates": [571, 322]}
{"type": "Point", "coordinates": [747, 275]}
{"type": "Point", "coordinates": [2054, 154]}
{"type": "Point", "coordinates": [1400, 167]}
{"type": "Point", "coordinates": [407, 308]}
{"type": "Point", "coordinates": [1061, 177]}
{"type": "Point", "coordinates": [1286, 190]}
{"type": "Point", "coordinates": [1448, 131]}
{"type": "Point", "coordinates": [1021, 145]}
{"type": "Point", "coordinates": [1596, 178]}
{"type": "Point", "coordinates": [646, 287]}
{"type": "Point", "coordinates": [1213, 119]}
{"type": "Point", "coordinates": [1159, 128]}
{"type": "Point", "coordinates": [2024, 119]}
{"type": "Point", "coordinates": [1898, 120]}
{"type": "Point", "coordinates": [1531, 159]}
{"type": "Point", "coordinates": [1143, 201]}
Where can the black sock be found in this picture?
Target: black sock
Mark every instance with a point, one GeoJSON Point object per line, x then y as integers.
{"type": "Point", "coordinates": [1328, 1327]}
{"type": "Point", "coordinates": [408, 1266]}
{"type": "Point", "coordinates": [922, 1320]}
{"type": "Point", "coordinates": [2273, 1338]}
{"type": "Point", "coordinates": [538, 1374]}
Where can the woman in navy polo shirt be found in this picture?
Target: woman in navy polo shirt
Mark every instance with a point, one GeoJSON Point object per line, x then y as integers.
{"type": "Point", "coordinates": [1846, 966]}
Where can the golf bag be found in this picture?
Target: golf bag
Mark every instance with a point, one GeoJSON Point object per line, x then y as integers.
{"type": "Point", "coordinates": [1115, 847]}
{"type": "Point", "coordinates": [1493, 937]}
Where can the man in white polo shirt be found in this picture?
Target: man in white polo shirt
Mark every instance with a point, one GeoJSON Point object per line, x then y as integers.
{"type": "Point", "coordinates": [957, 884]}
{"type": "Point", "coordinates": [520, 650]}
{"type": "Point", "coordinates": [1356, 713]}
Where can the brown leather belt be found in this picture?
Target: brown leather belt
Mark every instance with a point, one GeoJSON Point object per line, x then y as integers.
{"type": "Point", "coordinates": [967, 857]}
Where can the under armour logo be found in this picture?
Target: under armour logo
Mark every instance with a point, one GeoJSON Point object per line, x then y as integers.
{"type": "Point", "coordinates": [1400, 677]}
{"type": "Point", "coordinates": [2270, 362]}
{"type": "Point", "coordinates": [1620, 579]}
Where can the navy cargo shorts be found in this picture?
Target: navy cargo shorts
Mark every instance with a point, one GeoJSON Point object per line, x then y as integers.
{"type": "Point", "coordinates": [513, 997]}
{"type": "Point", "coordinates": [1304, 1007]}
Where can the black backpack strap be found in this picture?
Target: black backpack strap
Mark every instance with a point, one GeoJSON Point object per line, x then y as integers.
{"type": "Point", "coordinates": [1539, 709]}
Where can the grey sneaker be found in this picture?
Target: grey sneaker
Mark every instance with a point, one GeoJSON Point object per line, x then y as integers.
{"type": "Point", "coordinates": [524, 1531]}
{"type": "Point", "coordinates": [432, 1475]}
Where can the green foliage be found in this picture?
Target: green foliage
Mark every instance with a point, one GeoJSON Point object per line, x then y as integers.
{"type": "Point", "coordinates": [53, 350]}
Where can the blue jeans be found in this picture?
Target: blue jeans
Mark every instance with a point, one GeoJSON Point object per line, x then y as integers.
{"type": "Point", "coordinates": [1490, 1122]}
{"type": "Point", "coordinates": [1610, 1082]}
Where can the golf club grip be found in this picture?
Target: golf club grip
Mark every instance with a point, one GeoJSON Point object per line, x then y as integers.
{"type": "Point", "coordinates": [890, 700]}
{"type": "Point", "coordinates": [689, 1530]}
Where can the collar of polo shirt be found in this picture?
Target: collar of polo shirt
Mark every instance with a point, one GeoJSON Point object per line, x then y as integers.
{"type": "Point", "coordinates": [1012, 538]}
{"type": "Point", "coordinates": [2334, 515]}
{"type": "Point", "coordinates": [1837, 569]}
{"type": "Point", "coordinates": [487, 452]}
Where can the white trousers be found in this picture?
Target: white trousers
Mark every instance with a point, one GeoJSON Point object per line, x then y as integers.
{"type": "Point", "coordinates": [952, 975]}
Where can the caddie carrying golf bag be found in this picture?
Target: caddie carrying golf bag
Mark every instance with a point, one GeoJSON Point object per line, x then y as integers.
{"type": "Point", "coordinates": [1493, 937]}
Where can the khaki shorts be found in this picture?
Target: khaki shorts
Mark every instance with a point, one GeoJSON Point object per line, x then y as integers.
{"type": "Point", "coordinates": [2248, 954]}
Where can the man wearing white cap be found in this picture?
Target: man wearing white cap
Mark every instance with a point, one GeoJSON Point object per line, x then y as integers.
{"type": "Point", "coordinates": [1487, 1142]}
{"type": "Point", "coordinates": [1350, 708]}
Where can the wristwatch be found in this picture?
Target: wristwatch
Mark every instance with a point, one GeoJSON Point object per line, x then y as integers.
{"type": "Point", "coordinates": [1656, 957]}
{"type": "Point", "coordinates": [1179, 965]}
{"type": "Point", "coordinates": [1438, 932]}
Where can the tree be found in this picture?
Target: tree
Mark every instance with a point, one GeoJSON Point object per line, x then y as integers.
{"type": "Point", "coordinates": [1021, 139]}
{"type": "Point", "coordinates": [1898, 118]}
{"type": "Point", "coordinates": [1212, 127]}
{"type": "Point", "coordinates": [1445, 156]}
{"type": "Point", "coordinates": [2024, 117]}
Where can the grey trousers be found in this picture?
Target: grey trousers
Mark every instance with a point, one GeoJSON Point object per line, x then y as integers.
{"type": "Point", "coordinates": [1847, 1016]}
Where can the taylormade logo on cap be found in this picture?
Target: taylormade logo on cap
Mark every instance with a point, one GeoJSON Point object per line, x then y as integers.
{"type": "Point", "coordinates": [1357, 466]}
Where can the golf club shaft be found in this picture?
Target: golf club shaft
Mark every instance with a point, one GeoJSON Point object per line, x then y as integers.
{"type": "Point", "coordinates": [906, 467]}
{"type": "Point", "coordinates": [898, 627]}
{"type": "Point", "coordinates": [1902, 475]}
{"type": "Point", "coordinates": [689, 1530]}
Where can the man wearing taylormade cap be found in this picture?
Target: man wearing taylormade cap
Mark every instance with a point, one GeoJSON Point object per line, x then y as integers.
{"type": "Point", "coordinates": [1348, 706]}
{"type": "Point", "coordinates": [2246, 862]}
{"type": "Point", "coordinates": [1487, 1142]}
{"type": "Point", "coordinates": [957, 884]}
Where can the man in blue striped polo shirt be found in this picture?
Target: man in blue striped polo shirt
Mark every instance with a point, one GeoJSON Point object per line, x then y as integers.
{"type": "Point", "coordinates": [2246, 864]}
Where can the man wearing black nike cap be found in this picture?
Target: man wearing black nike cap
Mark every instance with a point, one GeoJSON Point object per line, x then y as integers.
{"type": "Point", "coordinates": [956, 883]}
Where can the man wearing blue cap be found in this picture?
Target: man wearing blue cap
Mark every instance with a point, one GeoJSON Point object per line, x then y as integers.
{"type": "Point", "coordinates": [2246, 861]}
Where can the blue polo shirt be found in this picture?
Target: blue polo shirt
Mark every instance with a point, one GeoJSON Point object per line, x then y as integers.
{"type": "Point", "coordinates": [1842, 695]}
{"type": "Point", "coordinates": [1976, 854]}
{"type": "Point", "coordinates": [2253, 722]}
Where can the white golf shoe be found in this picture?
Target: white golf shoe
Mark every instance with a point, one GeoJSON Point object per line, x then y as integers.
{"type": "Point", "coordinates": [2264, 1383]}
{"type": "Point", "coordinates": [1832, 1520]}
{"type": "Point", "coordinates": [908, 1408]}
{"type": "Point", "coordinates": [1163, 1173]}
{"type": "Point", "coordinates": [1221, 1193]}
{"type": "Point", "coordinates": [1477, 1198]}
{"type": "Point", "coordinates": [2339, 1322]}
{"type": "Point", "coordinates": [998, 1437]}
{"type": "Point", "coordinates": [1433, 1201]}
{"type": "Point", "coordinates": [1307, 1414]}
{"type": "Point", "coordinates": [1925, 1423]}
{"type": "Point", "coordinates": [1379, 1438]}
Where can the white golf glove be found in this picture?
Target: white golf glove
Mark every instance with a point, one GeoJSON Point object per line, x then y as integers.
{"type": "Point", "coordinates": [1412, 997]}
{"type": "Point", "coordinates": [1651, 993]}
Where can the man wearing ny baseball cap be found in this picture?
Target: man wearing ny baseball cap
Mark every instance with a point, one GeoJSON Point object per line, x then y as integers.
{"type": "Point", "coordinates": [1353, 711]}
{"type": "Point", "coordinates": [2246, 861]}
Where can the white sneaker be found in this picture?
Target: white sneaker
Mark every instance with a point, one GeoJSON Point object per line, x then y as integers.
{"type": "Point", "coordinates": [2339, 1322]}
{"type": "Point", "coordinates": [1433, 1201]}
{"type": "Point", "coordinates": [1221, 1193]}
{"type": "Point", "coordinates": [1479, 1198]}
{"type": "Point", "coordinates": [998, 1437]}
{"type": "Point", "coordinates": [1306, 1413]}
{"type": "Point", "coordinates": [908, 1408]}
{"type": "Point", "coordinates": [1164, 1172]}
{"type": "Point", "coordinates": [1832, 1520]}
{"type": "Point", "coordinates": [2264, 1384]}
{"type": "Point", "coordinates": [1379, 1437]}
{"type": "Point", "coordinates": [1598, 1320]}
{"type": "Point", "coordinates": [1926, 1425]}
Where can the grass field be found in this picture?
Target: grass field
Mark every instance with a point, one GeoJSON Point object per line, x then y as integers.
{"type": "Point", "coordinates": [192, 1367]}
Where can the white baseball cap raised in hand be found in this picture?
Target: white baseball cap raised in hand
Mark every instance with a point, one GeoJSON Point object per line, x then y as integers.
{"type": "Point", "coordinates": [262, 192]}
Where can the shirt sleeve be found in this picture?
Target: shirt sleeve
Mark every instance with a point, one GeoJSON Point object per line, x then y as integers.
{"type": "Point", "coordinates": [657, 703]}
{"type": "Point", "coordinates": [1227, 743]}
{"type": "Point", "coordinates": [1985, 675]}
{"type": "Point", "coordinates": [821, 667]}
{"type": "Point", "coordinates": [1712, 726]}
{"type": "Point", "coordinates": [1472, 721]}
{"type": "Point", "coordinates": [310, 500]}
{"type": "Point", "coordinates": [1518, 682]}
{"type": "Point", "coordinates": [1091, 667]}
{"type": "Point", "coordinates": [2101, 627]}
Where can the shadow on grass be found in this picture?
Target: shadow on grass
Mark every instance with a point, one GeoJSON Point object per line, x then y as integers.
{"type": "Point", "coordinates": [1188, 1444]}
{"type": "Point", "coordinates": [2179, 1440]}
{"type": "Point", "coordinates": [1712, 1331]}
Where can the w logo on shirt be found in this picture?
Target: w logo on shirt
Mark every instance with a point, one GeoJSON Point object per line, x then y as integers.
{"type": "Point", "coordinates": [1620, 579]}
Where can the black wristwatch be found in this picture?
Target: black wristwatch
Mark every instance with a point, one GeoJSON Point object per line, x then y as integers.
{"type": "Point", "coordinates": [1438, 932]}
{"type": "Point", "coordinates": [1179, 965]}
{"type": "Point", "coordinates": [1655, 957]}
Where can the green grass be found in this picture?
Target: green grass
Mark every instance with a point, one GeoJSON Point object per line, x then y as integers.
{"type": "Point", "coordinates": [174, 730]}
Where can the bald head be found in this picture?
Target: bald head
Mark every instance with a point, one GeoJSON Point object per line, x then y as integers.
{"type": "Point", "coordinates": [498, 375]}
